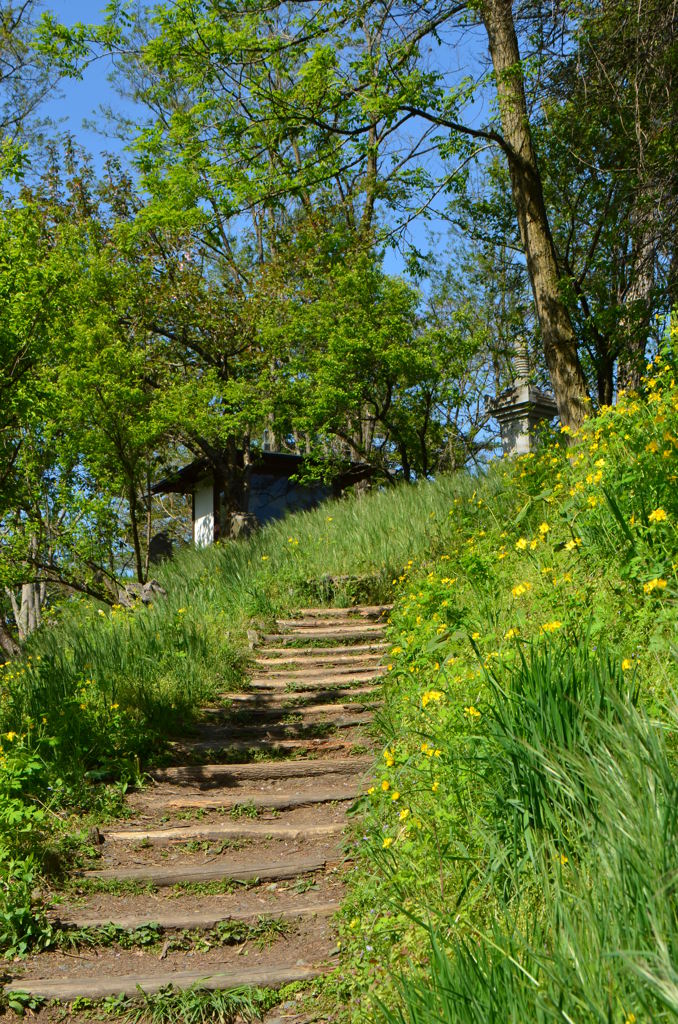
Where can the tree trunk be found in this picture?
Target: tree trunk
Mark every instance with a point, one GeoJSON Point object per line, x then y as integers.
{"type": "Point", "coordinates": [7, 642]}
{"type": "Point", "coordinates": [638, 301]}
{"type": "Point", "coordinates": [560, 347]}
{"type": "Point", "coordinates": [134, 523]}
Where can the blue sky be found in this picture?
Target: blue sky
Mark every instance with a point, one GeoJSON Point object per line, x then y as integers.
{"type": "Point", "coordinates": [80, 100]}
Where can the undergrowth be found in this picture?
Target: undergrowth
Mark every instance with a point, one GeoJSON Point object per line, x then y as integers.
{"type": "Point", "coordinates": [516, 853]}
{"type": "Point", "coordinates": [527, 712]}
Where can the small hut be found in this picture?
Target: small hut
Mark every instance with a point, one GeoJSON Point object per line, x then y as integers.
{"type": "Point", "coordinates": [270, 493]}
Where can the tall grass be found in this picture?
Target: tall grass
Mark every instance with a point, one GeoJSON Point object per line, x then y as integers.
{"type": "Point", "coordinates": [601, 941]}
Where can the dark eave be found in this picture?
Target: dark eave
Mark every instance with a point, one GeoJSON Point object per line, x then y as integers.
{"type": "Point", "coordinates": [184, 480]}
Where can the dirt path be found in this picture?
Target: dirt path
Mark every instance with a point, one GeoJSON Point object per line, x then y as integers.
{"type": "Point", "coordinates": [230, 868]}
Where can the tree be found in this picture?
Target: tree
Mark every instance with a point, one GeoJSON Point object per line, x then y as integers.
{"type": "Point", "coordinates": [256, 109]}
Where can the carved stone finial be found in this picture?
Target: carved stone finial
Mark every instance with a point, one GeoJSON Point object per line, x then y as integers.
{"type": "Point", "coordinates": [521, 363]}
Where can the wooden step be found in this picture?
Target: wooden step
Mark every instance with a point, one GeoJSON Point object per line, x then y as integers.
{"type": "Point", "coordinates": [328, 633]}
{"type": "Point", "coordinates": [172, 920]}
{"type": "Point", "coordinates": [364, 610]}
{"type": "Point", "coordinates": [273, 801]}
{"type": "Point", "coordinates": [216, 832]}
{"type": "Point", "coordinates": [311, 653]}
{"type": "Point", "coordinates": [319, 680]}
{"type": "Point", "coordinates": [321, 671]}
{"type": "Point", "coordinates": [324, 661]}
{"type": "Point", "coordinates": [181, 874]}
{"type": "Point", "coordinates": [218, 732]}
{"type": "Point", "coordinates": [250, 718]}
{"type": "Point", "coordinates": [306, 627]}
{"type": "Point", "coordinates": [274, 748]}
{"type": "Point", "coordinates": [285, 699]}
{"type": "Point", "coordinates": [234, 773]}
{"type": "Point", "coordinates": [68, 989]}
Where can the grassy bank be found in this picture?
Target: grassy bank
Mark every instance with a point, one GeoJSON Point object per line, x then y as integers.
{"type": "Point", "coordinates": [100, 692]}
{"type": "Point", "coordinates": [518, 851]}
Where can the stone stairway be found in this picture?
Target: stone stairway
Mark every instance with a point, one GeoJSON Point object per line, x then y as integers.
{"type": "Point", "coordinates": [233, 858]}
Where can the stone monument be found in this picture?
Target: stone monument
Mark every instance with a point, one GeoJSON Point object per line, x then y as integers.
{"type": "Point", "coordinates": [522, 407]}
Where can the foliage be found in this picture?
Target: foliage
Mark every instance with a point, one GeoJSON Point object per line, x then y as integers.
{"type": "Point", "coordinates": [520, 826]}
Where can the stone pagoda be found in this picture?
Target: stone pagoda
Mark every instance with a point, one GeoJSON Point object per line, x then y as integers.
{"type": "Point", "coordinates": [522, 407]}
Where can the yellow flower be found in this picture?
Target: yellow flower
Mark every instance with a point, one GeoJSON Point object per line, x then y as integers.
{"type": "Point", "coordinates": [631, 1019]}
{"type": "Point", "coordinates": [101, 611]}
{"type": "Point", "coordinates": [434, 787]}
{"type": "Point", "coordinates": [511, 634]}
{"type": "Point", "coordinates": [572, 544]}
{"type": "Point", "coordinates": [627, 664]}
{"type": "Point", "coordinates": [656, 584]}
{"type": "Point", "coordinates": [329, 519]}
{"type": "Point", "coordinates": [520, 589]}
{"type": "Point", "coordinates": [405, 813]}
{"type": "Point", "coordinates": [563, 859]}
{"type": "Point", "coordinates": [181, 611]}
{"type": "Point", "coordinates": [430, 695]}
{"type": "Point", "coordinates": [114, 707]}
{"type": "Point", "coordinates": [264, 558]}
{"type": "Point", "coordinates": [658, 516]}
{"type": "Point", "coordinates": [386, 785]}
{"type": "Point", "coordinates": [395, 795]}
{"type": "Point", "coordinates": [11, 736]}
{"type": "Point", "coordinates": [389, 758]}
{"type": "Point", "coordinates": [437, 753]}
{"type": "Point", "coordinates": [544, 529]}
{"type": "Point", "coordinates": [387, 842]}
{"type": "Point", "coordinates": [475, 636]}
{"type": "Point", "coordinates": [550, 627]}
{"type": "Point", "coordinates": [521, 544]}
{"type": "Point", "coordinates": [370, 791]}
{"type": "Point", "coordinates": [472, 712]}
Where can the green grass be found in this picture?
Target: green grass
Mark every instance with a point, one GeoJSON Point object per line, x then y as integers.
{"type": "Point", "coordinates": [517, 849]}
{"type": "Point", "coordinates": [528, 711]}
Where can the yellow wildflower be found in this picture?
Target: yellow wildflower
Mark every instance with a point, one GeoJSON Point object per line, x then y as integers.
{"type": "Point", "coordinates": [387, 842]}
{"type": "Point", "coordinates": [370, 791]}
{"type": "Point", "coordinates": [386, 785]}
{"type": "Point", "coordinates": [544, 529]}
{"type": "Point", "coordinates": [627, 664]}
{"type": "Point", "coordinates": [431, 695]}
{"type": "Point", "coordinates": [550, 627]}
{"type": "Point", "coordinates": [658, 516]}
{"type": "Point", "coordinates": [521, 544]}
{"type": "Point", "coordinates": [574, 543]}
{"type": "Point", "coordinates": [405, 813]}
{"type": "Point", "coordinates": [11, 736]}
{"type": "Point", "coordinates": [656, 584]}
{"type": "Point", "coordinates": [511, 634]}
{"type": "Point", "coordinates": [434, 787]}
{"type": "Point", "coordinates": [475, 636]}
{"type": "Point", "coordinates": [472, 712]}
{"type": "Point", "coordinates": [395, 795]}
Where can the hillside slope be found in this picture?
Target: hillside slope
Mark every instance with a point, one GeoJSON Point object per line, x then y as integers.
{"type": "Point", "coordinates": [530, 668]}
